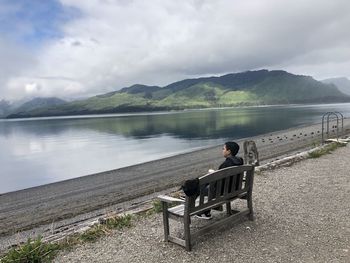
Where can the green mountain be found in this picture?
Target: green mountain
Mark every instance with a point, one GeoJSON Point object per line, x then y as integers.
{"type": "Point", "coordinates": [343, 84]}
{"type": "Point", "coordinates": [260, 87]}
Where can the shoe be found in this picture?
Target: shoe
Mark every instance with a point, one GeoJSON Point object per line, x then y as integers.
{"type": "Point", "coordinates": [204, 216]}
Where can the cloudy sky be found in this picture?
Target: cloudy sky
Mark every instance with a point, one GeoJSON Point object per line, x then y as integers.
{"type": "Point", "coordinates": [76, 48]}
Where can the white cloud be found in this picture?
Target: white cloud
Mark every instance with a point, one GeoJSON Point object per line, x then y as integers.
{"type": "Point", "coordinates": [119, 43]}
{"type": "Point", "coordinates": [32, 88]}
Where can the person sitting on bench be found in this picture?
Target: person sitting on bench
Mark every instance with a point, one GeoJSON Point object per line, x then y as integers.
{"type": "Point", "coordinates": [229, 151]}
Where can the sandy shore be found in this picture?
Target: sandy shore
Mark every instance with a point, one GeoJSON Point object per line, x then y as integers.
{"type": "Point", "coordinates": [89, 196]}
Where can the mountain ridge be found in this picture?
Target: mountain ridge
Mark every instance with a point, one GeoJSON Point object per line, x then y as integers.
{"type": "Point", "coordinates": [342, 83]}
{"type": "Point", "coordinates": [261, 87]}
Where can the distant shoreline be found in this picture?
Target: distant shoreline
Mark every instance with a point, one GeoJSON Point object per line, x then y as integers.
{"type": "Point", "coordinates": [160, 111]}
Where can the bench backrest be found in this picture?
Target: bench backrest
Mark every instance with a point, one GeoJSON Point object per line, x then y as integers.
{"type": "Point", "coordinates": [220, 186]}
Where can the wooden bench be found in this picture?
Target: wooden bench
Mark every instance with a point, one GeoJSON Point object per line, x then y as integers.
{"type": "Point", "coordinates": [223, 187]}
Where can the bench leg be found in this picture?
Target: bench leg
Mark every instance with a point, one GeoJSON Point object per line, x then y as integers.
{"type": "Point", "coordinates": [228, 208]}
{"type": "Point", "coordinates": [165, 221]}
{"type": "Point", "coordinates": [187, 221]}
{"type": "Point", "coordinates": [250, 207]}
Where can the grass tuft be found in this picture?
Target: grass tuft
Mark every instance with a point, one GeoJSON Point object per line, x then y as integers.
{"type": "Point", "coordinates": [119, 222]}
{"type": "Point", "coordinates": [326, 150]}
{"type": "Point", "coordinates": [97, 231]}
{"type": "Point", "coordinates": [32, 251]}
{"type": "Point", "coordinates": [157, 206]}
{"type": "Point", "coordinates": [93, 234]}
{"type": "Point", "coordinates": [39, 251]}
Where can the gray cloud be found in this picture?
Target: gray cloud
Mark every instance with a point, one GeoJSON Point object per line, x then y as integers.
{"type": "Point", "coordinates": [119, 43]}
{"type": "Point", "coordinates": [14, 61]}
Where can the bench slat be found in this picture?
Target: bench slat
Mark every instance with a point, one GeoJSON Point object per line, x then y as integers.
{"type": "Point", "coordinates": [226, 172]}
{"type": "Point", "coordinates": [177, 210]}
{"type": "Point", "coordinates": [169, 199]}
{"type": "Point", "coordinates": [218, 188]}
{"type": "Point", "coordinates": [221, 223]}
{"type": "Point", "coordinates": [177, 240]}
{"type": "Point", "coordinates": [227, 186]}
{"type": "Point", "coordinates": [201, 198]}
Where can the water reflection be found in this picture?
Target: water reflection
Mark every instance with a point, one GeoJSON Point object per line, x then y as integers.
{"type": "Point", "coordinates": [205, 124]}
{"type": "Point", "coordinates": [35, 152]}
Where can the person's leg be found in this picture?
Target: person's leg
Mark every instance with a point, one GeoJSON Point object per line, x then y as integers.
{"type": "Point", "coordinates": [206, 214]}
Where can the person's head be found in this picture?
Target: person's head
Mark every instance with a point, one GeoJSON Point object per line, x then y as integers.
{"type": "Point", "coordinates": [230, 148]}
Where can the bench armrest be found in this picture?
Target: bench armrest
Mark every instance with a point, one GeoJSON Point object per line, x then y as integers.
{"type": "Point", "coordinates": [169, 199]}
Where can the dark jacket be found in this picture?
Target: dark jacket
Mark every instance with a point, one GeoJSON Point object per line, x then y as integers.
{"type": "Point", "coordinates": [231, 161]}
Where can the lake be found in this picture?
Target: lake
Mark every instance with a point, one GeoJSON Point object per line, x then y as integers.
{"type": "Point", "coordinates": [38, 151]}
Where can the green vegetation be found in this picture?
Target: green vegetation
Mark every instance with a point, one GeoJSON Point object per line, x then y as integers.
{"type": "Point", "coordinates": [99, 230]}
{"type": "Point", "coordinates": [239, 97]}
{"type": "Point", "coordinates": [157, 206]}
{"type": "Point", "coordinates": [39, 251]}
{"type": "Point", "coordinates": [119, 222]}
{"type": "Point", "coordinates": [32, 251]}
{"type": "Point", "coordinates": [242, 89]}
{"type": "Point", "coordinates": [325, 150]}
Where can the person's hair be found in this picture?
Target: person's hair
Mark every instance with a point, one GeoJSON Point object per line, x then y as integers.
{"type": "Point", "coordinates": [233, 147]}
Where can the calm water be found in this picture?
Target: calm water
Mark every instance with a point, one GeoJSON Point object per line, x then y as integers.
{"type": "Point", "coordinates": [44, 150]}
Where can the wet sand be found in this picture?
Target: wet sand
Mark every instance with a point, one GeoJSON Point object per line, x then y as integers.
{"type": "Point", "coordinates": [80, 198]}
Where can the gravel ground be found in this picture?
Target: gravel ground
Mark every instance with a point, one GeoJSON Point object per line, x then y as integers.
{"type": "Point", "coordinates": [302, 215]}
